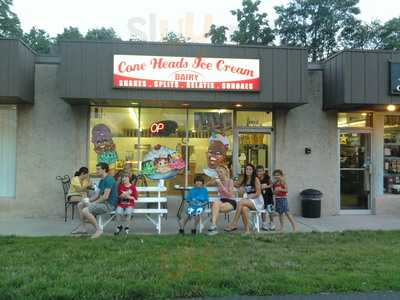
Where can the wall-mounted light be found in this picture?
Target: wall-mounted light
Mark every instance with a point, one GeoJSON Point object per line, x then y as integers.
{"type": "Point", "coordinates": [134, 103]}
{"type": "Point", "coordinates": [364, 114]}
{"type": "Point", "coordinates": [391, 107]}
{"type": "Point", "coordinates": [238, 105]}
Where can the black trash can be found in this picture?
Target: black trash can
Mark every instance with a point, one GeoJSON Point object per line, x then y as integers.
{"type": "Point", "coordinates": [311, 203]}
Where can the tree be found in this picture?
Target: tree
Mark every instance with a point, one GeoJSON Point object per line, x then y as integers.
{"type": "Point", "coordinates": [102, 34]}
{"type": "Point", "coordinates": [390, 34]}
{"type": "Point", "coordinates": [172, 37]}
{"type": "Point", "coordinates": [315, 24]}
{"type": "Point", "coordinates": [10, 27]}
{"type": "Point", "coordinates": [217, 34]}
{"type": "Point", "coordinates": [253, 26]}
{"type": "Point", "coordinates": [361, 35]}
{"type": "Point", "coordinates": [70, 33]}
{"type": "Point", "coordinates": [38, 39]}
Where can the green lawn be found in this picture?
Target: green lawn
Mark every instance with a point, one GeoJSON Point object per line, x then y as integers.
{"type": "Point", "coordinates": [159, 267]}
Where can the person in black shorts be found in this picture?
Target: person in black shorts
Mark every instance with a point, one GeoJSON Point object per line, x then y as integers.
{"type": "Point", "coordinates": [266, 191]}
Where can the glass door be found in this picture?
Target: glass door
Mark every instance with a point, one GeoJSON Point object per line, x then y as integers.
{"type": "Point", "coordinates": [355, 170]}
{"type": "Point", "coordinates": [253, 147]}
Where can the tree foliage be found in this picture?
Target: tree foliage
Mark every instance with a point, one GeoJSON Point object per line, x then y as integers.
{"type": "Point", "coordinates": [102, 34]}
{"type": "Point", "coordinates": [390, 34]}
{"type": "Point", "coordinates": [70, 33]}
{"type": "Point", "coordinates": [217, 34]}
{"type": "Point", "coordinates": [253, 26]}
{"type": "Point", "coordinates": [38, 39]}
{"type": "Point", "coordinates": [172, 37]}
{"type": "Point", "coordinates": [10, 26]}
{"type": "Point", "coordinates": [316, 24]}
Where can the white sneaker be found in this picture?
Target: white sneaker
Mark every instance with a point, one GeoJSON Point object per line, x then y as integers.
{"type": "Point", "coordinates": [265, 227]}
{"type": "Point", "coordinates": [212, 230]}
{"type": "Point", "coordinates": [271, 227]}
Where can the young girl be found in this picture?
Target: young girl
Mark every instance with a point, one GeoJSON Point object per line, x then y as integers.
{"type": "Point", "coordinates": [227, 201]}
{"type": "Point", "coordinates": [281, 203]}
{"type": "Point", "coordinates": [252, 199]}
{"type": "Point", "coordinates": [80, 185]}
{"type": "Point", "coordinates": [126, 201]}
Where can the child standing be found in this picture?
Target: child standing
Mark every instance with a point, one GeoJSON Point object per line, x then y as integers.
{"type": "Point", "coordinates": [281, 192]}
{"type": "Point", "coordinates": [197, 200]}
{"type": "Point", "coordinates": [126, 202]}
{"type": "Point", "coordinates": [266, 191]}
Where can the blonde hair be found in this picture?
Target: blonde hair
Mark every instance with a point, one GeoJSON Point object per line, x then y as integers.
{"type": "Point", "coordinates": [226, 170]}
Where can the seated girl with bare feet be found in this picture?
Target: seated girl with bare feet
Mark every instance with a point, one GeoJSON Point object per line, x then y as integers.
{"type": "Point", "coordinates": [227, 200]}
{"type": "Point", "coordinates": [252, 199]}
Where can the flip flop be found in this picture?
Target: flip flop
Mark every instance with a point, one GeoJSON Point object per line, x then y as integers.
{"type": "Point", "coordinates": [230, 229]}
{"type": "Point", "coordinates": [79, 231]}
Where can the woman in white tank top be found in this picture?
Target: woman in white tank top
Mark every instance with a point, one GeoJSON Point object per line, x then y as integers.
{"type": "Point", "coordinates": [252, 199]}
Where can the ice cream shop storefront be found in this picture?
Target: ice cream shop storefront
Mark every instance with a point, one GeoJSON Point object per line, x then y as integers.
{"type": "Point", "coordinates": [174, 111]}
{"type": "Point", "coordinates": [166, 111]}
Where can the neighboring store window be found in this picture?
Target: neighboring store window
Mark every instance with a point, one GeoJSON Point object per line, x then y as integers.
{"type": "Point", "coordinates": [254, 119]}
{"type": "Point", "coordinates": [8, 149]}
{"type": "Point", "coordinates": [204, 126]}
{"type": "Point", "coordinates": [391, 150]}
{"type": "Point", "coordinates": [355, 120]}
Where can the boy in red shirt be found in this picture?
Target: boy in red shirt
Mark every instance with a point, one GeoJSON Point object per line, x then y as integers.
{"type": "Point", "coordinates": [127, 195]}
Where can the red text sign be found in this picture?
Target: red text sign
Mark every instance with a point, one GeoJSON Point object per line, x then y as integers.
{"type": "Point", "coordinates": [199, 73]}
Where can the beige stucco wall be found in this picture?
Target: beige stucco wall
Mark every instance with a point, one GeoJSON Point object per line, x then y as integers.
{"type": "Point", "coordinates": [309, 126]}
{"type": "Point", "coordinates": [51, 140]}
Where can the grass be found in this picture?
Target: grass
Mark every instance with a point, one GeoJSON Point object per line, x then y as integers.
{"type": "Point", "coordinates": [159, 267]}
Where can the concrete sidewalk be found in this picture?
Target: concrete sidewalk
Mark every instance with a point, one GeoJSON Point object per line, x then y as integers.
{"type": "Point", "coordinates": [49, 226]}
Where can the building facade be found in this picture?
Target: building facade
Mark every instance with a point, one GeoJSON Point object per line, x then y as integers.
{"type": "Point", "coordinates": [327, 126]}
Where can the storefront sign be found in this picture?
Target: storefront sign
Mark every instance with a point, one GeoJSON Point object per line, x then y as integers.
{"type": "Point", "coordinates": [395, 78]}
{"type": "Point", "coordinates": [163, 128]}
{"type": "Point", "coordinates": [193, 73]}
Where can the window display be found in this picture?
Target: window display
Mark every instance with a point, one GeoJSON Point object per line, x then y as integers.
{"type": "Point", "coordinates": [130, 138]}
{"type": "Point", "coordinates": [392, 154]}
{"type": "Point", "coordinates": [354, 120]}
{"type": "Point", "coordinates": [254, 119]}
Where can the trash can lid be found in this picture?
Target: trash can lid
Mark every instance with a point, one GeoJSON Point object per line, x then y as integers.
{"type": "Point", "coordinates": [311, 192]}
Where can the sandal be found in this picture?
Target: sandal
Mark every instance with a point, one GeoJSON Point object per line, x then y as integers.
{"type": "Point", "coordinates": [79, 230]}
{"type": "Point", "coordinates": [230, 229]}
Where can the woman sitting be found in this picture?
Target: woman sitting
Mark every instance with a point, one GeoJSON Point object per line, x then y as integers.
{"type": "Point", "coordinates": [227, 202]}
{"type": "Point", "coordinates": [80, 185]}
{"type": "Point", "coordinates": [252, 199]}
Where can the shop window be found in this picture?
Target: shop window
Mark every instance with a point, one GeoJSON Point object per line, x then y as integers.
{"type": "Point", "coordinates": [8, 149]}
{"type": "Point", "coordinates": [210, 140]}
{"type": "Point", "coordinates": [392, 154]}
{"type": "Point", "coordinates": [164, 130]}
{"type": "Point", "coordinates": [355, 120]}
{"type": "Point", "coordinates": [114, 136]}
{"type": "Point", "coordinates": [254, 119]}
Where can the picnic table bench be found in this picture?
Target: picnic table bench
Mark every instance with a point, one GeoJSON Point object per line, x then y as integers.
{"type": "Point", "coordinates": [213, 195]}
{"type": "Point", "coordinates": [148, 195]}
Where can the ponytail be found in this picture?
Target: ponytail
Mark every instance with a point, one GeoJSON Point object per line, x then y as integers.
{"type": "Point", "coordinates": [82, 170]}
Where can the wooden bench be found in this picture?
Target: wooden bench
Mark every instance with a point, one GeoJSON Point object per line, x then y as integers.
{"type": "Point", "coordinates": [146, 198]}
